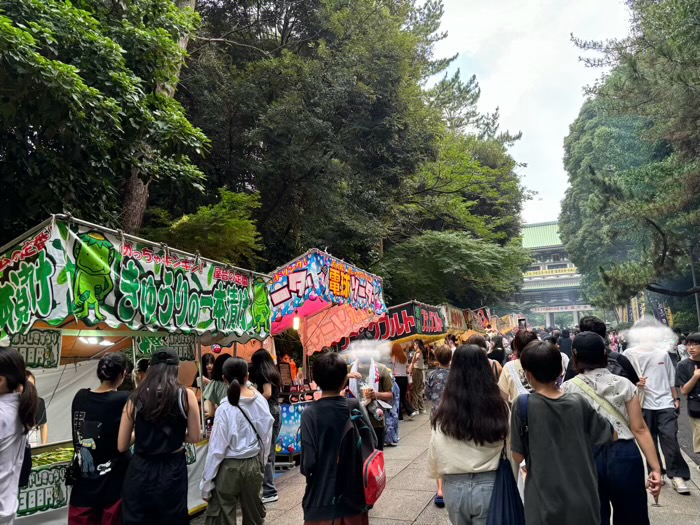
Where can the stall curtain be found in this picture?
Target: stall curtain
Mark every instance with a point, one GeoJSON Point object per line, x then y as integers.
{"type": "Point", "coordinates": [58, 386]}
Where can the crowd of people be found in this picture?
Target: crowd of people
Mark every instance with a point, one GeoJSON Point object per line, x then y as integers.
{"type": "Point", "coordinates": [577, 419]}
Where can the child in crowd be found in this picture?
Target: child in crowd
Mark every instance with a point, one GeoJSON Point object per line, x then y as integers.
{"type": "Point", "coordinates": [555, 432]}
{"type": "Point", "coordinates": [688, 380]}
{"type": "Point", "coordinates": [238, 450]}
{"type": "Point", "coordinates": [437, 378]}
{"type": "Point", "coordinates": [322, 427]}
{"type": "Point", "coordinates": [434, 388]}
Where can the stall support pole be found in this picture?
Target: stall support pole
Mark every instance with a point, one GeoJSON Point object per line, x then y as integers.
{"type": "Point", "coordinates": [305, 358]}
{"type": "Point", "coordinates": [198, 357]}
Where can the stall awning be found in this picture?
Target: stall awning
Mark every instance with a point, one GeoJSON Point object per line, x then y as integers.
{"type": "Point", "coordinates": [69, 269]}
{"type": "Point", "coordinates": [317, 281]}
{"type": "Point", "coordinates": [403, 322]}
{"type": "Point", "coordinates": [455, 318]}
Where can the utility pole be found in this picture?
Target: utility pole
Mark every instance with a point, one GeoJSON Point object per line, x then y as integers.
{"type": "Point", "coordinates": [691, 246]}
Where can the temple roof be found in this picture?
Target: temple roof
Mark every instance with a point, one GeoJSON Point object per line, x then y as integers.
{"type": "Point", "coordinates": [541, 235]}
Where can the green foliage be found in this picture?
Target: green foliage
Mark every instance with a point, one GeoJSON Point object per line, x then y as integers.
{"type": "Point", "coordinates": [685, 320]}
{"type": "Point", "coordinates": [631, 210]}
{"type": "Point", "coordinates": [224, 231]}
{"type": "Point", "coordinates": [322, 131]}
{"type": "Point", "coordinates": [453, 267]}
{"type": "Point", "coordinates": [470, 187]}
{"type": "Point", "coordinates": [320, 109]}
{"type": "Point", "coordinates": [82, 104]}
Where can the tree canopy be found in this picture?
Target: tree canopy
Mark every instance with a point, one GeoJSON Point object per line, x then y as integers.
{"type": "Point", "coordinates": [252, 131]}
{"type": "Point", "coordinates": [630, 213]}
{"type": "Point", "coordinates": [82, 106]}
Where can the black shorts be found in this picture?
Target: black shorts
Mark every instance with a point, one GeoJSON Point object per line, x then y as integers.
{"type": "Point", "coordinates": [155, 490]}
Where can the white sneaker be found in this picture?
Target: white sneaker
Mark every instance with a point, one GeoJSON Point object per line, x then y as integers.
{"type": "Point", "coordinates": [680, 486]}
{"type": "Point", "coordinates": [270, 499]}
{"type": "Point", "coordinates": [413, 414]}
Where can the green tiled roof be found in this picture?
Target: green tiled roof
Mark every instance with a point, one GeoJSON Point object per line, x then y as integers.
{"type": "Point", "coordinates": [541, 235]}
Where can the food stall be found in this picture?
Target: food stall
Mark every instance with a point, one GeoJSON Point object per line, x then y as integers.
{"type": "Point", "coordinates": [323, 298]}
{"type": "Point", "coordinates": [71, 291]}
{"type": "Point", "coordinates": [402, 324]}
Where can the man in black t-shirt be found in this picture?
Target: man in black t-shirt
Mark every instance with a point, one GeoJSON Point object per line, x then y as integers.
{"type": "Point", "coordinates": [688, 380]}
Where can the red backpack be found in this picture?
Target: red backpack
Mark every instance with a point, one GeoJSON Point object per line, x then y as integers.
{"type": "Point", "coordinates": [374, 476]}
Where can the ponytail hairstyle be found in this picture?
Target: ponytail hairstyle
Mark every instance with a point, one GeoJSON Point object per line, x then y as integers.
{"type": "Point", "coordinates": [111, 368]}
{"type": "Point", "coordinates": [13, 370]}
{"type": "Point", "coordinates": [421, 347]}
{"type": "Point", "coordinates": [235, 371]}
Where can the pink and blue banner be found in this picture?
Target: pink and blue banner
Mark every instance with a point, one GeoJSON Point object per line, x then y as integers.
{"type": "Point", "coordinates": [315, 281]}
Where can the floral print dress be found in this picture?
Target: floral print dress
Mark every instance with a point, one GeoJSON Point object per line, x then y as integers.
{"type": "Point", "coordinates": [435, 386]}
{"type": "Point", "coordinates": [391, 436]}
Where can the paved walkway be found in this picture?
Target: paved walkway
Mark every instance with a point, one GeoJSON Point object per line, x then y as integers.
{"type": "Point", "coordinates": [408, 497]}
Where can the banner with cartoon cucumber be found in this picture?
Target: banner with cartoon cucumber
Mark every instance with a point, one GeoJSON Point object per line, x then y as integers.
{"type": "Point", "coordinates": [68, 270]}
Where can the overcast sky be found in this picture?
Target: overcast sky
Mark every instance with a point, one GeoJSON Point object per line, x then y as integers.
{"type": "Point", "coordinates": [526, 64]}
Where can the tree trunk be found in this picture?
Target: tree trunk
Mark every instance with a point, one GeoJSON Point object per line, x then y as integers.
{"type": "Point", "coordinates": [136, 195]}
{"type": "Point", "coordinates": [135, 202]}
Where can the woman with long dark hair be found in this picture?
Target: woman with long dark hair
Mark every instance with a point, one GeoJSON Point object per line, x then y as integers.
{"type": "Point", "coordinates": [417, 372]}
{"type": "Point", "coordinates": [469, 431]}
{"type": "Point", "coordinates": [238, 446]}
{"type": "Point", "coordinates": [18, 407]}
{"type": "Point", "coordinates": [96, 497]}
{"type": "Point", "coordinates": [206, 373]}
{"type": "Point", "coordinates": [513, 381]}
{"type": "Point", "coordinates": [480, 341]}
{"type": "Point", "coordinates": [216, 390]}
{"type": "Point", "coordinates": [266, 377]}
{"type": "Point", "coordinates": [161, 415]}
{"type": "Point", "coordinates": [498, 351]}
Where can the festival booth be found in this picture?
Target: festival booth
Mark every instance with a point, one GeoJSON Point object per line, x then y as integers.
{"type": "Point", "coordinates": [323, 298]}
{"type": "Point", "coordinates": [71, 291]}
{"type": "Point", "coordinates": [401, 325]}
{"type": "Point", "coordinates": [458, 322]}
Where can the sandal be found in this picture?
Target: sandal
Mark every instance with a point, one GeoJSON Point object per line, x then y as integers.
{"type": "Point", "coordinates": [439, 501]}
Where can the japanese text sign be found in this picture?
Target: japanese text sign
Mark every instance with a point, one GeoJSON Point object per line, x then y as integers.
{"type": "Point", "coordinates": [66, 270]}
{"type": "Point", "coordinates": [400, 322]}
{"type": "Point", "coordinates": [317, 276]}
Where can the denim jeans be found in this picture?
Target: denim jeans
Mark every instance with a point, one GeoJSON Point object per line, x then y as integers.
{"type": "Point", "coordinates": [621, 483]}
{"type": "Point", "coordinates": [269, 488]}
{"type": "Point", "coordinates": [468, 496]}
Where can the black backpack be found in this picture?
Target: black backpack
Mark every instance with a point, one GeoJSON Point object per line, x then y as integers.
{"type": "Point", "coordinates": [615, 367]}
{"type": "Point", "coordinates": [357, 439]}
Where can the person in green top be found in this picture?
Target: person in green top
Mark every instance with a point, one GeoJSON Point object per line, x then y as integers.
{"type": "Point", "coordinates": [216, 390]}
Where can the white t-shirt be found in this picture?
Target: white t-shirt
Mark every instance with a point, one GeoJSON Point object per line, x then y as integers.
{"type": "Point", "coordinates": [399, 369]}
{"type": "Point", "coordinates": [450, 456]}
{"type": "Point", "coordinates": [12, 443]}
{"type": "Point", "coordinates": [657, 367]}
